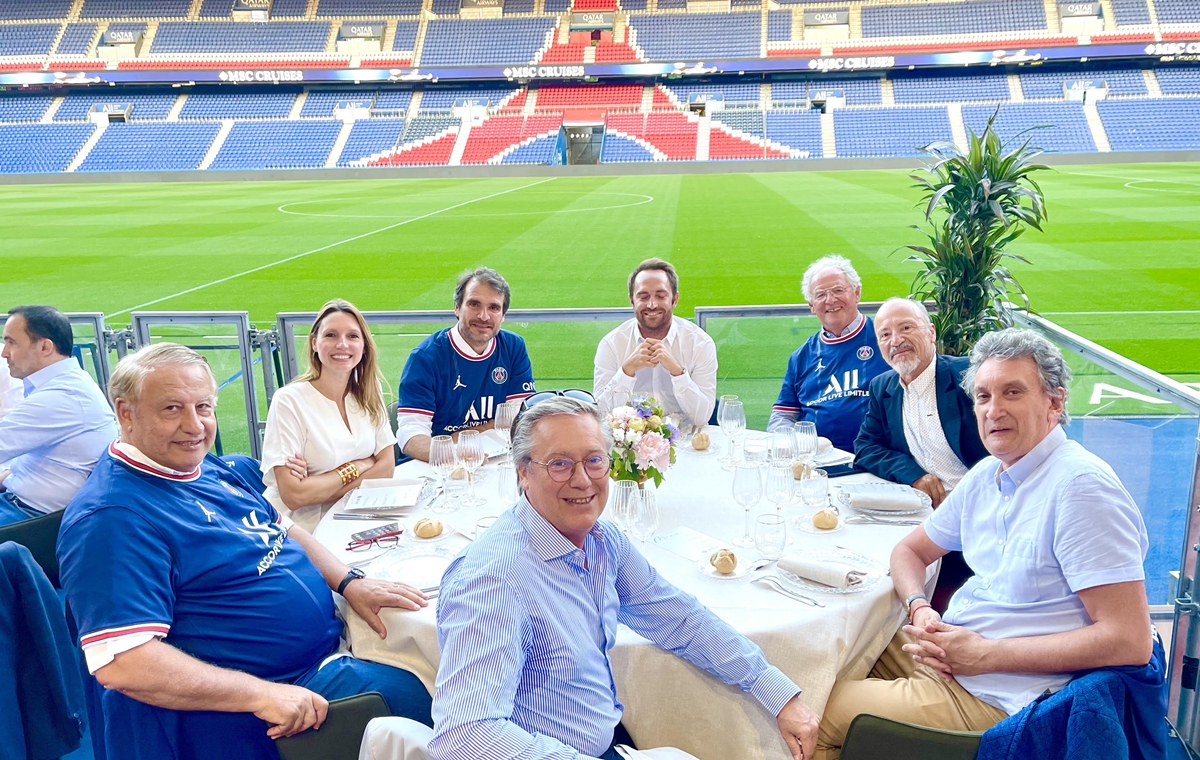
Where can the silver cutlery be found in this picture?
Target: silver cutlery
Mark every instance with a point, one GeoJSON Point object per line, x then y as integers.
{"type": "Point", "coordinates": [369, 560]}
{"type": "Point", "coordinates": [772, 582]}
{"type": "Point", "coordinates": [871, 520]}
{"type": "Point", "coordinates": [365, 516]}
{"type": "Point", "coordinates": [759, 564]}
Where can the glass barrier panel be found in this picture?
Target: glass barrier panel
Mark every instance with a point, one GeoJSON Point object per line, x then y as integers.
{"type": "Point", "coordinates": [87, 351]}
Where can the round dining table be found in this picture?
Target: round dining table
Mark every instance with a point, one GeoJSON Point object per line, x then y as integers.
{"type": "Point", "coordinates": [668, 701]}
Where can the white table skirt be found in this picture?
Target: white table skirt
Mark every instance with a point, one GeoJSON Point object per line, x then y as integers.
{"type": "Point", "coordinates": [669, 702]}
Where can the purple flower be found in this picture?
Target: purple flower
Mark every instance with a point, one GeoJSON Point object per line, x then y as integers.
{"type": "Point", "coordinates": [644, 411]}
{"type": "Point", "coordinates": [672, 433]}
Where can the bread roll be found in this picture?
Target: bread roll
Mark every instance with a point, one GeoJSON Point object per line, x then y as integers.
{"type": "Point", "coordinates": [700, 441]}
{"type": "Point", "coordinates": [826, 519]}
{"type": "Point", "coordinates": [724, 561]}
{"type": "Point", "coordinates": [427, 528]}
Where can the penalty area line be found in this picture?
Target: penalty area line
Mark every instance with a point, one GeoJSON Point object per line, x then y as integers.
{"type": "Point", "coordinates": [325, 248]}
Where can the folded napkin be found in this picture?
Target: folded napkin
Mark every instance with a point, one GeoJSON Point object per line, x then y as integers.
{"type": "Point", "coordinates": [658, 753]}
{"type": "Point", "coordinates": [886, 496]}
{"type": "Point", "coordinates": [834, 574]}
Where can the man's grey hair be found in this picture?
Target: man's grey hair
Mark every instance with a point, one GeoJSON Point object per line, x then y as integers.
{"type": "Point", "coordinates": [129, 377]}
{"type": "Point", "coordinates": [918, 307]}
{"type": "Point", "coordinates": [1019, 343]}
{"type": "Point", "coordinates": [487, 276]}
{"type": "Point", "coordinates": [833, 261]}
{"type": "Point", "coordinates": [522, 432]}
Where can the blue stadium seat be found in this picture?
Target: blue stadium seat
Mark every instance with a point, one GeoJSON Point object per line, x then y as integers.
{"type": "Point", "coordinates": [1181, 80]}
{"type": "Point", "coordinates": [76, 39]}
{"type": "Point", "coordinates": [620, 149]}
{"type": "Point", "coordinates": [216, 9]}
{"type": "Point", "coordinates": [900, 131]}
{"type": "Point", "coordinates": [517, 6]}
{"type": "Point", "coordinates": [973, 17]}
{"type": "Point", "coordinates": [742, 92]}
{"type": "Point", "coordinates": [370, 137]}
{"type": "Point", "coordinates": [277, 144]}
{"type": "Point", "coordinates": [320, 103]}
{"type": "Point", "coordinates": [17, 10]}
{"type": "Point", "coordinates": [428, 126]}
{"type": "Point", "coordinates": [798, 128]}
{"type": "Point", "coordinates": [135, 8]}
{"type": "Point", "coordinates": [459, 42]}
{"type": "Point", "coordinates": [27, 39]}
{"type": "Point", "coordinates": [23, 107]}
{"type": "Point", "coordinates": [237, 105]}
{"type": "Point", "coordinates": [859, 92]}
{"type": "Point", "coordinates": [443, 99]}
{"type": "Point", "coordinates": [698, 36]}
{"type": "Point", "coordinates": [1048, 85]}
{"type": "Point", "coordinates": [344, 8]}
{"type": "Point", "coordinates": [1065, 127]}
{"type": "Point", "coordinates": [132, 27]}
{"type": "Point", "coordinates": [288, 8]}
{"type": "Point", "coordinates": [391, 101]}
{"type": "Point", "coordinates": [445, 7]}
{"type": "Point", "coordinates": [748, 120]}
{"type": "Point", "coordinates": [406, 35]}
{"type": "Point", "coordinates": [539, 151]}
{"type": "Point", "coordinates": [779, 25]}
{"type": "Point", "coordinates": [1151, 123]}
{"type": "Point", "coordinates": [1131, 12]}
{"type": "Point", "coordinates": [40, 148]}
{"type": "Point", "coordinates": [557, 6]}
{"type": "Point", "coordinates": [146, 105]}
{"type": "Point", "coordinates": [1177, 11]}
{"type": "Point", "coordinates": [950, 89]}
{"type": "Point", "coordinates": [161, 146]}
{"type": "Point", "coordinates": [240, 37]}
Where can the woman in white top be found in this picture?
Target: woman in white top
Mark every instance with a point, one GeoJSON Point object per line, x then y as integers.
{"type": "Point", "coordinates": [327, 430]}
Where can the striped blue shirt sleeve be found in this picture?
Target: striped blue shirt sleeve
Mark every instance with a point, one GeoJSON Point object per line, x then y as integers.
{"type": "Point", "coordinates": [482, 633]}
{"type": "Point", "coordinates": [678, 623]}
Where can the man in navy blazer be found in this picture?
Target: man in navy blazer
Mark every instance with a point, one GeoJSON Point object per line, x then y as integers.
{"type": "Point", "coordinates": [920, 427]}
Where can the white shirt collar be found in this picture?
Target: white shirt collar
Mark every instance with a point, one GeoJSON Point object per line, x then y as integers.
{"type": "Point", "coordinates": [923, 382]}
{"type": "Point", "coordinates": [463, 347]}
{"type": "Point", "coordinates": [132, 456]}
{"type": "Point", "coordinates": [671, 333]}
{"type": "Point", "coordinates": [850, 328]}
{"type": "Point", "coordinates": [50, 371]}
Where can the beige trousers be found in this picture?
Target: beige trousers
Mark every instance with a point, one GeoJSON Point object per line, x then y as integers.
{"type": "Point", "coordinates": [900, 689]}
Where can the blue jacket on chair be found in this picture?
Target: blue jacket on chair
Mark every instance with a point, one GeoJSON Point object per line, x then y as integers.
{"type": "Point", "coordinates": [881, 447]}
{"type": "Point", "coordinates": [41, 697]}
{"type": "Point", "coordinates": [1103, 714]}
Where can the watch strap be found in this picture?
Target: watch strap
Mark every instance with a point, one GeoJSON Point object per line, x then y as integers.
{"type": "Point", "coordinates": [353, 575]}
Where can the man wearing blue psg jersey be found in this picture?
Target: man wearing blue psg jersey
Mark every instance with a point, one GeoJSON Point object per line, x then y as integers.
{"type": "Point", "coordinates": [827, 377]}
{"type": "Point", "coordinates": [458, 376]}
{"type": "Point", "coordinates": [205, 614]}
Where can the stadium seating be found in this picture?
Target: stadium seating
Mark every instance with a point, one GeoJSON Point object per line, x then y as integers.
{"type": "Point", "coordinates": [751, 121]}
{"type": "Point", "coordinates": [443, 99]}
{"type": "Point", "coordinates": [796, 128]}
{"type": "Point", "coordinates": [288, 8]}
{"type": "Point", "coordinates": [237, 105]}
{"type": "Point", "coordinates": [40, 148]}
{"type": "Point", "coordinates": [513, 7]}
{"type": "Point", "coordinates": [277, 144]}
{"type": "Point", "coordinates": [1057, 127]}
{"type": "Point", "coordinates": [582, 96]}
{"type": "Point", "coordinates": [1151, 123]}
{"type": "Point", "coordinates": [364, 8]}
{"type": "Point", "coordinates": [592, 5]}
{"type": "Point", "coordinates": [135, 8]}
{"type": "Point", "coordinates": [858, 92]}
{"type": "Point", "coordinates": [949, 89]}
{"type": "Point", "coordinates": [1179, 81]}
{"type": "Point", "coordinates": [27, 39]}
{"type": "Point", "coordinates": [216, 8]}
{"type": "Point", "coordinates": [620, 148]}
{"type": "Point", "coordinates": [779, 26]}
{"type": "Point", "coordinates": [165, 146]}
{"type": "Point", "coordinates": [539, 150]}
{"type": "Point", "coordinates": [974, 17]}
{"type": "Point", "coordinates": [76, 39]}
{"type": "Point", "coordinates": [698, 36]}
{"type": "Point", "coordinates": [146, 105]}
{"type": "Point", "coordinates": [433, 150]}
{"type": "Point", "coordinates": [234, 37]}
{"type": "Point", "coordinates": [497, 42]}
{"type": "Point", "coordinates": [390, 102]}
{"type": "Point", "coordinates": [429, 126]}
{"type": "Point", "coordinates": [1177, 11]}
{"type": "Point", "coordinates": [321, 103]}
{"type": "Point", "coordinates": [500, 133]}
{"type": "Point", "coordinates": [726, 142]}
{"type": "Point", "coordinates": [370, 137]}
{"type": "Point", "coordinates": [731, 93]}
{"type": "Point", "coordinates": [673, 134]}
{"type": "Point", "coordinates": [31, 10]}
{"type": "Point", "coordinates": [406, 35]}
{"type": "Point", "coordinates": [874, 132]}
{"type": "Point", "coordinates": [615, 52]}
{"type": "Point", "coordinates": [15, 108]}
{"type": "Point", "coordinates": [1131, 12]}
{"type": "Point", "coordinates": [1043, 85]}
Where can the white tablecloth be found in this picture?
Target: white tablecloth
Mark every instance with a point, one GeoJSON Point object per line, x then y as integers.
{"type": "Point", "coordinates": [669, 702]}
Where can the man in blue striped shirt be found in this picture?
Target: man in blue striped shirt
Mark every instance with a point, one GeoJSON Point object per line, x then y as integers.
{"type": "Point", "coordinates": [529, 612]}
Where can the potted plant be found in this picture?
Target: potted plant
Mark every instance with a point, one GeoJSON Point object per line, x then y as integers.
{"type": "Point", "coordinates": [977, 202]}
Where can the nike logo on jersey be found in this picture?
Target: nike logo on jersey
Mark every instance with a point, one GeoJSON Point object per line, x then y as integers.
{"type": "Point", "coordinates": [458, 383]}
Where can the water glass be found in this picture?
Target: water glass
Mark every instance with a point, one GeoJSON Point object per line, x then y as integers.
{"type": "Point", "coordinates": [643, 520]}
{"type": "Point", "coordinates": [782, 446]}
{"type": "Point", "coordinates": [755, 452]}
{"type": "Point", "coordinates": [456, 490]}
{"type": "Point", "coordinates": [620, 501]}
{"type": "Point", "coordinates": [441, 456]}
{"type": "Point", "coordinates": [721, 417]}
{"type": "Point", "coordinates": [806, 441]}
{"type": "Point", "coordinates": [471, 457]}
{"type": "Point", "coordinates": [506, 415]}
{"type": "Point", "coordinates": [814, 489]}
{"type": "Point", "coordinates": [747, 491]}
{"type": "Point", "coordinates": [483, 523]}
{"type": "Point", "coordinates": [507, 483]}
{"type": "Point", "coordinates": [779, 484]}
{"type": "Point", "coordinates": [733, 424]}
{"type": "Point", "coordinates": [770, 536]}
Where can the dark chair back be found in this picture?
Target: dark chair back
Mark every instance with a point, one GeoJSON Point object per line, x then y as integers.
{"type": "Point", "coordinates": [39, 535]}
{"type": "Point", "coordinates": [341, 734]}
{"type": "Point", "coordinates": [873, 738]}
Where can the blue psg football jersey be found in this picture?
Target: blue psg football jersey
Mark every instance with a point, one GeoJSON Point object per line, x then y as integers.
{"type": "Point", "coordinates": [457, 389]}
{"type": "Point", "coordinates": [827, 379]}
{"type": "Point", "coordinates": [201, 558]}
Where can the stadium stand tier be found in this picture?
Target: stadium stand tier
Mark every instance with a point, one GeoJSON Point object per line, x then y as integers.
{"type": "Point", "coordinates": [974, 17]}
{"type": "Point", "coordinates": [149, 106]}
{"type": "Point", "coordinates": [1060, 127]}
{"type": "Point", "coordinates": [369, 138]}
{"type": "Point", "coordinates": [165, 146]}
{"type": "Point", "coordinates": [1152, 123]}
{"type": "Point", "coordinates": [460, 42]}
{"type": "Point", "coordinates": [15, 10]}
{"type": "Point", "coordinates": [277, 145]}
{"type": "Point", "coordinates": [40, 148]}
{"type": "Point", "coordinates": [697, 37]}
{"type": "Point", "coordinates": [27, 39]}
{"type": "Point", "coordinates": [233, 37]}
{"type": "Point", "coordinates": [871, 132]}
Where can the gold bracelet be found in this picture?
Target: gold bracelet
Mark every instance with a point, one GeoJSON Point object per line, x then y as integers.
{"type": "Point", "coordinates": [348, 472]}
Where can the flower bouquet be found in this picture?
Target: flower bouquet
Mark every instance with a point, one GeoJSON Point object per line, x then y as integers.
{"type": "Point", "coordinates": [643, 441]}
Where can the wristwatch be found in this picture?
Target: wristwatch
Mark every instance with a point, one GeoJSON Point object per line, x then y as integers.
{"type": "Point", "coordinates": [354, 574]}
{"type": "Point", "coordinates": [908, 603]}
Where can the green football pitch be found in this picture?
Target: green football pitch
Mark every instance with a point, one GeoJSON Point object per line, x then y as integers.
{"type": "Point", "coordinates": [1119, 261]}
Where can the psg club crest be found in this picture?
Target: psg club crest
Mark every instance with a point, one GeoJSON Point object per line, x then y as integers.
{"type": "Point", "coordinates": [865, 352]}
{"type": "Point", "coordinates": [499, 375]}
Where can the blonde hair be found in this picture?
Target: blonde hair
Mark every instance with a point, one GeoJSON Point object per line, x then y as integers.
{"type": "Point", "coordinates": [365, 379]}
{"type": "Point", "coordinates": [129, 377]}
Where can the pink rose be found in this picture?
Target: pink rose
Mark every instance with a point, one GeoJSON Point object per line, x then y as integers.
{"type": "Point", "coordinates": [652, 451]}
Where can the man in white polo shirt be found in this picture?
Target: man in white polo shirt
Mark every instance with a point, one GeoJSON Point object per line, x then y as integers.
{"type": "Point", "coordinates": [656, 353]}
{"type": "Point", "coordinates": [1057, 545]}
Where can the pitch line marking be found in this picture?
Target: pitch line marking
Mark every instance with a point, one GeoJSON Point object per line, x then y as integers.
{"type": "Point", "coordinates": [1122, 313]}
{"type": "Point", "coordinates": [645, 199]}
{"type": "Point", "coordinates": [325, 248]}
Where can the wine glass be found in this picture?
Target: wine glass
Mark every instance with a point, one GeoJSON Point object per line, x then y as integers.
{"type": "Point", "coordinates": [806, 442]}
{"type": "Point", "coordinates": [779, 484]}
{"type": "Point", "coordinates": [747, 491]}
{"type": "Point", "coordinates": [441, 459]}
{"type": "Point", "coordinates": [643, 518]}
{"type": "Point", "coordinates": [471, 457]}
{"type": "Point", "coordinates": [770, 536]}
{"type": "Point", "coordinates": [734, 426]}
{"type": "Point", "coordinates": [507, 483]}
{"type": "Point", "coordinates": [721, 404]}
{"type": "Point", "coordinates": [782, 447]}
{"type": "Point", "coordinates": [814, 490]}
{"type": "Point", "coordinates": [506, 415]}
{"type": "Point", "coordinates": [621, 496]}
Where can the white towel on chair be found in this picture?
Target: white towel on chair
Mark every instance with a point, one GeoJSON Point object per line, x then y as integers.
{"type": "Point", "coordinates": [395, 739]}
{"type": "Point", "coordinates": [659, 753]}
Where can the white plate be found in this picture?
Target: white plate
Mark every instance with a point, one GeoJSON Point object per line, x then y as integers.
{"type": "Point", "coordinates": [410, 536]}
{"type": "Point", "coordinates": [712, 448]}
{"type": "Point", "coordinates": [741, 571]}
{"type": "Point", "coordinates": [804, 524]}
{"type": "Point", "coordinates": [417, 565]}
{"type": "Point", "coordinates": [875, 573]}
{"type": "Point", "coordinates": [842, 499]}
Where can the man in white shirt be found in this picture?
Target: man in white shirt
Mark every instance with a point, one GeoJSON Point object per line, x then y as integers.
{"type": "Point", "coordinates": [656, 353]}
{"type": "Point", "coordinates": [1057, 545]}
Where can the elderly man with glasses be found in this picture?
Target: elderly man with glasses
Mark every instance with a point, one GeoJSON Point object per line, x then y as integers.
{"type": "Point", "coordinates": [529, 612]}
{"type": "Point", "coordinates": [828, 377]}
